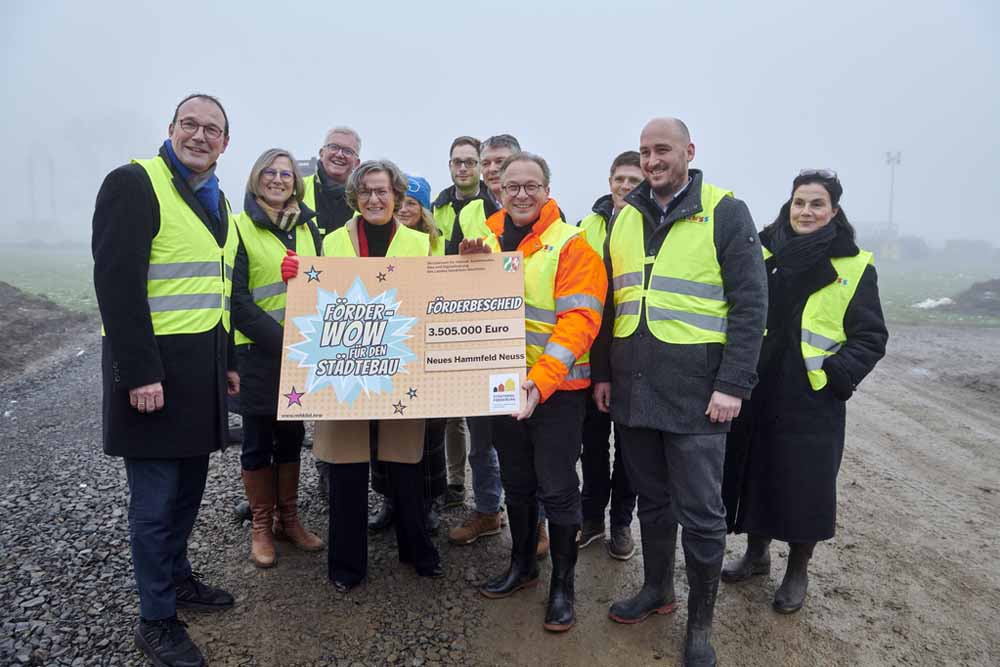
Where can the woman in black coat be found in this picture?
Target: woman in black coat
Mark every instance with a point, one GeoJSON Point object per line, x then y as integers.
{"type": "Point", "coordinates": [825, 333]}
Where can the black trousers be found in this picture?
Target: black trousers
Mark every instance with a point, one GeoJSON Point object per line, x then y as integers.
{"type": "Point", "coordinates": [598, 485]}
{"type": "Point", "coordinates": [538, 456]}
{"type": "Point", "coordinates": [679, 479]}
{"type": "Point", "coordinates": [347, 551]}
{"type": "Point", "coordinates": [267, 440]}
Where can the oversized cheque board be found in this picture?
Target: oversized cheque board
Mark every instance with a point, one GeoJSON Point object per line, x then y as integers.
{"type": "Point", "coordinates": [404, 338]}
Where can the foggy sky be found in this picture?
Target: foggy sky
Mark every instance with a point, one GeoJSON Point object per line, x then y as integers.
{"type": "Point", "coordinates": [766, 90]}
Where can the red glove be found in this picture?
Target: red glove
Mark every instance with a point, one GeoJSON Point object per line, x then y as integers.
{"type": "Point", "coordinates": [290, 266]}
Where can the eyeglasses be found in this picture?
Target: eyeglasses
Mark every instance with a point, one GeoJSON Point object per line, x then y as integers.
{"type": "Point", "coordinates": [343, 150]}
{"type": "Point", "coordinates": [271, 174]}
{"type": "Point", "coordinates": [366, 195]}
{"type": "Point", "coordinates": [190, 126]}
{"type": "Point", "coordinates": [822, 173]}
{"type": "Point", "coordinates": [530, 189]}
{"type": "Point", "coordinates": [468, 163]}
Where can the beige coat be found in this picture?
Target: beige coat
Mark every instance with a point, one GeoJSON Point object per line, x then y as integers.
{"type": "Point", "coordinates": [399, 440]}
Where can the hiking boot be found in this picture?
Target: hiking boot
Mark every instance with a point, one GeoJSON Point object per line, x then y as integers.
{"type": "Point", "coordinates": [542, 548]}
{"type": "Point", "coordinates": [590, 531]}
{"type": "Point", "coordinates": [621, 545]}
{"type": "Point", "coordinates": [476, 525]}
{"type": "Point", "coordinates": [192, 593]}
{"type": "Point", "coordinates": [383, 518]}
{"type": "Point", "coordinates": [791, 595]}
{"type": "Point", "coordinates": [755, 561]}
{"type": "Point", "coordinates": [166, 643]}
{"type": "Point", "coordinates": [454, 496]}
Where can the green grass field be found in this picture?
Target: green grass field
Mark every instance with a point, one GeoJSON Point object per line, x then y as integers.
{"type": "Point", "coordinates": [65, 276]}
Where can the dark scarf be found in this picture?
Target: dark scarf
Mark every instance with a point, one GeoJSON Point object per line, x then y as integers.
{"type": "Point", "coordinates": [205, 185]}
{"type": "Point", "coordinates": [798, 252]}
{"type": "Point", "coordinates": [332, 211]}
{"type": "Point", "coordinates": [374, 240]}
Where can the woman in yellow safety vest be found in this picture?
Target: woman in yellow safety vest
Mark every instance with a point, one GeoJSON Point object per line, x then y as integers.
{"type": "Point", "coordinates": [274, 221]}
{"type": "Point", "coordinates": [825, 333]}
{"type": "Point", "coordinates": [415, 213]}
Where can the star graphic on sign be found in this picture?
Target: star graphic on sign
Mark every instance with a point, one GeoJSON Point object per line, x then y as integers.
{"type": "Point", "coordinates": [313, 274]}
{"type": "Point", "coordinates": [390, 268]}
{"type": "Point", "coordinates": [412, 393]}
{"type": "Point", "coordinates": [294, 398]}
{"type": "Point", "coordinates": [398, 408]}
{"type": "Point", "coordinates": [381, 277]}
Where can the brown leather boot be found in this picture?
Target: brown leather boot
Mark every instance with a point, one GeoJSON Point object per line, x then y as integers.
{"type": "Point", "coordinates": [259, 485]}
{"type": "Point", "coordinates": [288, 510]}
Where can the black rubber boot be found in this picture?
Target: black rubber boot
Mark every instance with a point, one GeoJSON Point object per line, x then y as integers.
{"type": "Point", "coordinates": [703, 583]}
{"type": "Point", "coordinates": [560, 615]}
{"type": "Point", "coordinates": [657, 593]}
{"type": "Point", "coordinates": [756, 560]}
{"type": "Point", "coordinates": [523, 570]}
{"type": "Point", "coordinates": [383, 518]}
{"type": "Point", "coordinates": [791, 595]}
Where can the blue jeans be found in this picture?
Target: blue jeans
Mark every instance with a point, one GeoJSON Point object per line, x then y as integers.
{"type": "Point", "coordinates": [164, 496]}
{"type": "Point", "coordinates": [486, 484]}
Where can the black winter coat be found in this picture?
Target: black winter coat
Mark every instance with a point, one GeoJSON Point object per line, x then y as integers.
{"type": "Point", "coordinates": [192, 367]}
{"type": "Point", "coordinates": [260, 362]}
{"type": "Point", "coordinates": [784, 451]}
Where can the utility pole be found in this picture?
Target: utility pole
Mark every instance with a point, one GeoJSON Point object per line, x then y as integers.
{"type": "Point", "coordinates": [892, 158]}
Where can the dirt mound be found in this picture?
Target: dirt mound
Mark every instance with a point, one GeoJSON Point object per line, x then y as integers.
{"type": "Point", "coordinates": [32, 328]}
{"type": "Point", "coordinates": [980, 299]}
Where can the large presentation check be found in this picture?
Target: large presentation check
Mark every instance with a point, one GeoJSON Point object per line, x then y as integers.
{"type": "Point", "coordinates": [404, 338]}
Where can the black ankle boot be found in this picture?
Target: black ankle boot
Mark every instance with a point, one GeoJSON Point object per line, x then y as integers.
{"type": "Point", "coordinates": [523, 570]}
{"type": "Point", "coordinates": [166, 642]}
{"type": "Point", "coordinates": [560, 615]}
{"type": "Point", "coordinates": [756, 560]}
{"type": "Point", "coordinates": [791, 595]}
{"type": "Point", "coordinates": [383, 518]}
{"type": "Point", "coordinates": [703, 583]}
{"type": "Point", "coordinates": [657, 593]}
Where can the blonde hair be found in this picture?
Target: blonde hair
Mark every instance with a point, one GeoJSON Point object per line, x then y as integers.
{"type": "Point", "coordinates": [264, 161]}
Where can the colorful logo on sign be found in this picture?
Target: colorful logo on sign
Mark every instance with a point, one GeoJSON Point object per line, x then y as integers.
{"type": "Point", "coordinates": [511, 264]}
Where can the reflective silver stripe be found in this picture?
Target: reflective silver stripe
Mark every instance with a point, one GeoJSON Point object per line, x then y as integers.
{"type": "Point", "coordinates": [183, 270]}
{"type": "Point", "coordinates": [706, 322]}
{"type": "Point", "coordinates": [559, 352]}
{"type": "Point", "coordinates": [814, 363]}
{"type": "Point", "coordinates": [265, 291]}
{"type": "Point", "coordinates": [535, 338]}
{"type": "Point", "coordinates": [229, 271]}
{"type": "Point", "coordinates": [571, 301]}
{"type": "Point", "coordinates": [627, 308]}
{"type": "Point", "coordinates": [820, 341]}
{"type": "Point", "coordinates": [277, 315]}
{"type": "Point", "coordinates": [627, 280]}
{"type": "Point", "coordinates": [687, 287]}
{"type": "Point", "coordinates": [159, 304]}
{"type": "Point", "coordinates": [579, 372]}
{"type": "Point", "coordinates": [539, 315]}
{"type": "Point", "coordinates": [226, 303]}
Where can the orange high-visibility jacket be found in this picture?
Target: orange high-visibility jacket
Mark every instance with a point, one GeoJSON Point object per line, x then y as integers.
{"type": "Point", "coordinates": [581, 283]}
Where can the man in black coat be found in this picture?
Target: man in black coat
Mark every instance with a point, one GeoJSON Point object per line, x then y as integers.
{"type": "Point", "coordinates": [163, 246]}
{"type": "Point", "coordinates": [674, 383]}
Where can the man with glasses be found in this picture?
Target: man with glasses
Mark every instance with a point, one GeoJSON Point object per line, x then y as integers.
{"type": "Point", "coordinates": [677, 354]}
{"type": "Point", "coordinates": [324, 191]}
{"type": "Point", "coordinates": [164, 245]}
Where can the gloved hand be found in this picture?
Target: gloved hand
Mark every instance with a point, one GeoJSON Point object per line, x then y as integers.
{"type": "Point", "coordinates": [289, 266]}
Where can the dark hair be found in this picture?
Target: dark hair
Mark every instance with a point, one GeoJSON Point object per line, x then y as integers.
{"type": "Point", "coordinates": [832, 187]}
{"type": "Point", "coordinates": [465, 140]}
{"type": "Point", "coordinates": [210, 98]}
{"type": "Point", "coordinates": [626, 159]}
{"type": "Point", "coordinates": [508, 141]}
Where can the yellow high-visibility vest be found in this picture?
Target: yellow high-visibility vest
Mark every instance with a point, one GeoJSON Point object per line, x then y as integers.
{"type": "Point", "coordinates": [190, 276]}
{"type": "Point", "coordinates": [685, 301]}
{"type": "Point", "coordinates": [472, 220]}
{"type": "Point", "coordinates": [264, 254]}
{"type": "Point", "coordinates": [405, 242]}
{"type": "Point", "coordinates": [823, 316]}
{"type": "Point", "coordinates": [595, 230]}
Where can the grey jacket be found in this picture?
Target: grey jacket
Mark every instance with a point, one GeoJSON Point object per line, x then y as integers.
{"type": "Point", "coordinates": [667, 387]}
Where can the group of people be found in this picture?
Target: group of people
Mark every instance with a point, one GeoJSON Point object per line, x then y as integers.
{"type": "Point", "coordinates": [654, 318]}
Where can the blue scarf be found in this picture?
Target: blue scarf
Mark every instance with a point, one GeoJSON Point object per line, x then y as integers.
{"type": "Point", "coordinates": [207, 193]}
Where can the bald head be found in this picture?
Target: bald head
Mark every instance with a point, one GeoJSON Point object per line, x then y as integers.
{"type": "Point", "coordinates": [665, 149]}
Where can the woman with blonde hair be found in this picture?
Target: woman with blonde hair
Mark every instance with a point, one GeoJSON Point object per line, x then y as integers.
{"type": "Point", "coordinates": [274, 221]}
